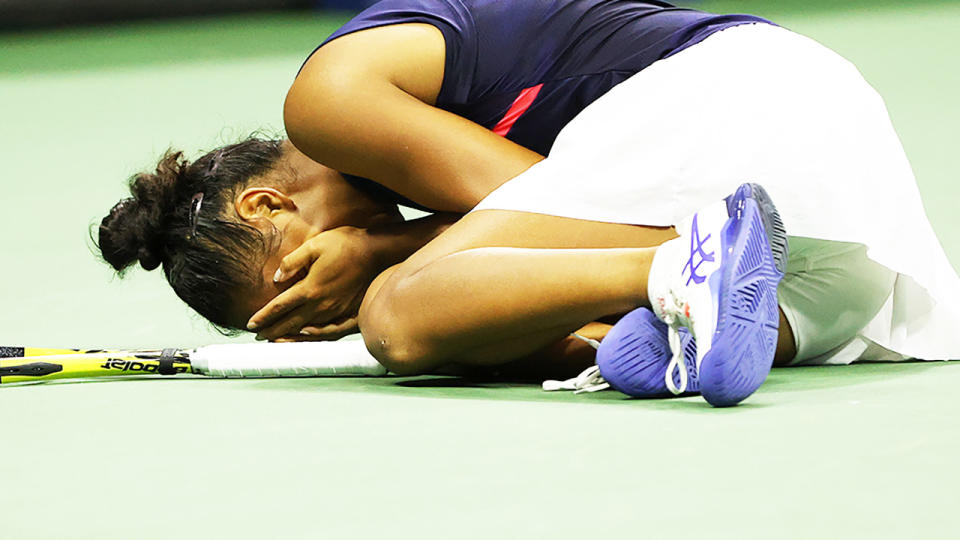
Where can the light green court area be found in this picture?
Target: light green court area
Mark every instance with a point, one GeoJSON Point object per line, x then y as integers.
{"type": "Point", "coordinates": [865, 451]}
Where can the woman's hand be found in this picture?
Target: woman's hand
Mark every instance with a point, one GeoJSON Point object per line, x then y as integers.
{"type": "Point", "coordinates": [339, 265]}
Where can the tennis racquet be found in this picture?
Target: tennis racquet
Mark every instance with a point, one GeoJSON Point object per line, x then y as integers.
{"type": "Point", "coordinates": [316, 359]}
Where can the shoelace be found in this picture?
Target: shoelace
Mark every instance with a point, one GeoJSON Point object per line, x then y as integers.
{"type": "Point", "coordinates": [674, 318]}
{"type": "Point", "coordinates": [589, 379]}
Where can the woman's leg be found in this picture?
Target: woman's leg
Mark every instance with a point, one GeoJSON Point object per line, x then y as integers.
{"type": "Point", "coordinates": [522, 299]}
{"type": "Point", "coordinates": [452, 300]}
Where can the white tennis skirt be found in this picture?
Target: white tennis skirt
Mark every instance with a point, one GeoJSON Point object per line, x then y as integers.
{"type": "Point", "coordinates": [758, 103]}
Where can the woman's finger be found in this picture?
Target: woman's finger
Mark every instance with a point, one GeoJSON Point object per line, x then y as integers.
{"type": "Point", "coordinates": [284, 302]}
{"type": "Point", "coordinates": [299, 259]}
{"type": "Point", "coordinates": [300, 339]}
{"type": "Point", "coordinates": [331, 332]}
{"type": "Point", "coordinates": [289, 324]}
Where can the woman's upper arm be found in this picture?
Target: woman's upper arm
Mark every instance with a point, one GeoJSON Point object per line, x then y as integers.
{"type": "Point", "coordinates": [365, 112]}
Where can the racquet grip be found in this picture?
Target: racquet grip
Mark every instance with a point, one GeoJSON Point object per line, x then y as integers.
{"type": "Point", "coordinates": [307, 359]}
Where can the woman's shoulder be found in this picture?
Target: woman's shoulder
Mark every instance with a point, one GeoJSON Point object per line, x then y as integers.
{"type": "Point", "coordinates": [450, 17]}
{"type": "Point", "coordinates": [409, 56]}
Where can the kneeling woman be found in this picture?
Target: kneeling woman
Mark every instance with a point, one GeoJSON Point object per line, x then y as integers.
{"type": "Point", "coordinates": [652, 117]}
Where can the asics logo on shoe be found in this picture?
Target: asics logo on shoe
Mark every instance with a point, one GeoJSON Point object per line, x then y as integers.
{"type": "Point", "coordinates": [697, 251]}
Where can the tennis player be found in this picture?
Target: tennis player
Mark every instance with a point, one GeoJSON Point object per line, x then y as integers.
{"type": "Point", "coordinates": [660, 124]}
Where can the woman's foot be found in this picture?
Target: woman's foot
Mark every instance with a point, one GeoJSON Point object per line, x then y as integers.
{"type": "Point", "coordinates": [719, 279]}
{"type": "Point", "coordinates": [635, 358]}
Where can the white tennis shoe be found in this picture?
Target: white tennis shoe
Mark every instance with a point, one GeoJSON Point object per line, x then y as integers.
{"type": "Point", "coordinates": [719, 279]}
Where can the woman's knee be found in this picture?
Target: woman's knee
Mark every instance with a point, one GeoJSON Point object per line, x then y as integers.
{"type": "Point", "coordinates": [386, 332]}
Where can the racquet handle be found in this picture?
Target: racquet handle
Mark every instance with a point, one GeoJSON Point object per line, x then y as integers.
{"type": "Point", "coordinates": [307, 359]}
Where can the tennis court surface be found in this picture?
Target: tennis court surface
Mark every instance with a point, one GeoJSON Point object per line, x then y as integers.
{"type": "Point", "coordinates": [865, 451]}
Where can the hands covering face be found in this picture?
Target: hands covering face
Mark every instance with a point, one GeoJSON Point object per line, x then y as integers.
{"type": "Point", "coordinates": [337, 266]}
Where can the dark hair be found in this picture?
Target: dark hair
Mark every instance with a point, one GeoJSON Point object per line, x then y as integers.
{"type": "Point", "coordinates": [208, 256]}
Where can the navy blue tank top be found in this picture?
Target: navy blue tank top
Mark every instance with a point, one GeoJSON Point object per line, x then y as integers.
{"type": "Point", "coordinates": [525, 68]}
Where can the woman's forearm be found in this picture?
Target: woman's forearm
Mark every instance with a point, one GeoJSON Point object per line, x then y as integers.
{"type": "Point", "coordinates": [392, 244]}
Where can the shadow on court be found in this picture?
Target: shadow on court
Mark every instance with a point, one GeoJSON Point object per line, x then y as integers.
{"type": "Point", "coordinates": [781, 381]}
{"type": "Point", "coordinates": [799, 379]}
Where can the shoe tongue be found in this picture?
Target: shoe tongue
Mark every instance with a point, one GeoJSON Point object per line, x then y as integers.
{"type": "Point", "coordinates": [665, 275]}
{"type": "Point", "coordinates": [687, 260]}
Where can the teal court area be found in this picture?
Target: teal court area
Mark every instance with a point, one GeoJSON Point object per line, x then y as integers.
{"type": "Point", "coordinates": [865, 451]}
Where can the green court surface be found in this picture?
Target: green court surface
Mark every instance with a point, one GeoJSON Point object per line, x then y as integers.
{"type": "Point", "coordinates": [865, 451]}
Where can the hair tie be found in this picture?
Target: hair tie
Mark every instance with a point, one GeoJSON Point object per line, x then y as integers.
{"type": "Point", "coordinates": [195, 203]}
{"type": "Point", "coordinates": [215, 162]}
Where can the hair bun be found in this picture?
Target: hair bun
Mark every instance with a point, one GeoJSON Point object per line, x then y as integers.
{"type": "Point", "coordinates": [149, 260]}
{"type": "Point", "coordinates": [136, 227]}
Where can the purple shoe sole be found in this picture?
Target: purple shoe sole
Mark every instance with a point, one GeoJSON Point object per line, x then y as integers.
{"type": "Point", "coordinates": [754, 258]}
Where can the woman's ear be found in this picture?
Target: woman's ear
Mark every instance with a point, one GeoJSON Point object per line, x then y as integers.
{"type": "Point", "coordinates": [262, 202]}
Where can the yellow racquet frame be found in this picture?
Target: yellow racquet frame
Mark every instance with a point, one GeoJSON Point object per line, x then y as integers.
{"type": "Point", "coordinates": [21, 364]}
